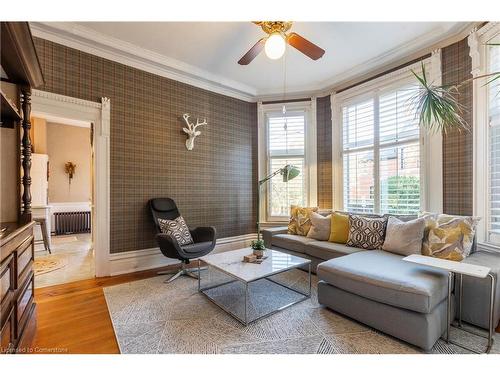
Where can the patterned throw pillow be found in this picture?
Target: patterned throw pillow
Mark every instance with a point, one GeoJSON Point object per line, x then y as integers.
{"type": "Point", "coordinates": [300, 220]}
{"type": "Point", "coordinates": [448, 237]}
{"type": "Point", "coordinates": [366, 232]}
{"type": "Point", "coordinates": [176, 228]}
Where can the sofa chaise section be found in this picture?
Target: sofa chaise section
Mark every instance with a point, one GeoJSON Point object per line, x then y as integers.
{"type": "Point", "coordinates": [363, 306]}
{"type": "Point", "coordinates": [379, 289]}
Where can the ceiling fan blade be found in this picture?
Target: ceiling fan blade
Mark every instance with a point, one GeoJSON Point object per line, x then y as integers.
{"type": "Point", "coordinates": [305, 46]}
{"type": "Point", "coordinates": [253, 52]}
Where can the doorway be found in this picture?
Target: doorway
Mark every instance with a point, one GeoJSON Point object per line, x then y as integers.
{"type": "Point", "coordinates": [78, 225]}
{"type": "Point", "coordinates": [61, 188]}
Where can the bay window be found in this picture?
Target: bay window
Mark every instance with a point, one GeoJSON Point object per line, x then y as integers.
{"type": "Point", "coordinates": [287, 137]}
{"type": "Point", "coordinates": [381, 151]}
{"type": "Point", "coordinates": [485, 56]}
{"type": "Point", "coordinates": [286, 145]}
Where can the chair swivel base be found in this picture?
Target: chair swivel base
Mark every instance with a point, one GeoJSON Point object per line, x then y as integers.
{"type": "Point", "coordinates": [183, 271]}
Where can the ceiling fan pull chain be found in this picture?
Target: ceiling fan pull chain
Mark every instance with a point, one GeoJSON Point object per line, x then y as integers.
{"type": "Point", "coordinates": [284, 82]}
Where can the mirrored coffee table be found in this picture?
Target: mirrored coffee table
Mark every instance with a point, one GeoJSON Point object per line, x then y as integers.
{"type": "Point", "coordinates": [250, 291]}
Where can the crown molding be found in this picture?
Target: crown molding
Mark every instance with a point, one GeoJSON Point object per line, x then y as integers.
{"type": "Point", "coordinates": [488, 28]}
{"type": "Point", "coordinates": [65, 99]}
{"type": "Point", "coordinates": [397, 56]}
{"type": "Point", "coordinates": [90, 41]}
{"type": "Point", "coordinates": [84, 39]}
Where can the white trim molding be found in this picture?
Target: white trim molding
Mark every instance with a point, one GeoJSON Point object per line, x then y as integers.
{"type": "Point", "coordinates": [478, 52]}
{"type": "Point", "coordinates": [98, 44]}
{"type": "Point", "coordinates": [431, 144]}
{"type": "Point", "coordinates": [262, 158]}
{"type": "Point", "coordinates": [46, 103]}
{"type": "Point", "coordinates": [312, 154]}
{"type": "Point", "coordinates": [90, 41]}
{"type": "Point", "coordinates": [433, 151]}
{"type": "Point", "coordinates": [140, 260]}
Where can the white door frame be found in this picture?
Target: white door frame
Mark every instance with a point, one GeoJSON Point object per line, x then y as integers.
{"type": "Point", "coordinates": [99, 114]}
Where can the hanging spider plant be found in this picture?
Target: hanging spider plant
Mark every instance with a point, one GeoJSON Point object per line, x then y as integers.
{"type": "Point", "coordinates": [438, 107]}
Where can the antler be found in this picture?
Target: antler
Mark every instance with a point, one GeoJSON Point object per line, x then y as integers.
{"type": "Point", "coordinates": [185, 116]}
{"type": "Point", "coordinates": [198, 123]}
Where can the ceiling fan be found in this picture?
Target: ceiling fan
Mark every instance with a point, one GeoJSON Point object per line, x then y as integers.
{"type": "Point", "coordinates": [275, 43]}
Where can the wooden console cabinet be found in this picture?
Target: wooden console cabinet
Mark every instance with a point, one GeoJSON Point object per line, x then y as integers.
{"type": "Point", "coordinates": [17, 284]}
{"type": "Point", "coordinates": [20, 73]}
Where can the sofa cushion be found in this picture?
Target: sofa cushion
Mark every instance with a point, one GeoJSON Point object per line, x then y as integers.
{"type": "Point", "coordinates": [365, 232]}
{"type": "Point", "coordinates": [449, 237]}
{"type": "Point", "coordinates": [328, 250]}
{"type": "Point", "coordinates": [320, 227]}
{"type": "Point", "coordinates": [300, 220]}
{"type": "Point", "coordinates": [385, 277]}
{"type": "Point", "coordinates": [339, 231]}
{"type": "Point", "coordinates": [292, 242]}
{"type": "Point", "coordinates": [404, 237]}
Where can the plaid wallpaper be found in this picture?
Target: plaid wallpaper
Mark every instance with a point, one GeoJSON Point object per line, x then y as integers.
{"type": "Point", "coordinates": [457, 147]}
{"type": "Point", "coordinates": [214, 184]}
{"type": "Point", "coordinates": [324, 144]}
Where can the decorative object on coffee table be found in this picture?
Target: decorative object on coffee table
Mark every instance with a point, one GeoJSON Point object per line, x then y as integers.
{"type": "Point", "coordinates": [252, 258]}
{"type": "Point", "coordinates": [258, 248]}
{"type": "Point", "coordinates": [288, 172]}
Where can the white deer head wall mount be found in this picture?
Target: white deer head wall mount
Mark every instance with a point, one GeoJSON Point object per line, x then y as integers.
{"type": "Point", "coordinates": [191, 131]}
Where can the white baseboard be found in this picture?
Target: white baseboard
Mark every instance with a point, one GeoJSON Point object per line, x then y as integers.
{"type": "Point", "coordinates": [145, 259]}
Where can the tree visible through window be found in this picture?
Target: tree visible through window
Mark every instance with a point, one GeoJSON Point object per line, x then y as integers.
{"type": "Point", "coordinates": [381, 153]}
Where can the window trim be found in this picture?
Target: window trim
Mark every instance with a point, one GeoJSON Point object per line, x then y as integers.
{"type": "Point", "coordinates": [478, 52]}
{"type": "Point", "coordinates": [310, 153]}
{"type": "Point", "coordinates": [430, 144]}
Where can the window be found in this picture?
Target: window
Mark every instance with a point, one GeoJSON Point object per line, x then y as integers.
{"type": "Point", "coordinates": [286, 145]}
{"type": "Point", "coordinates": [381, 153]}
{"type": "Point", "coordinates": [494, 146]}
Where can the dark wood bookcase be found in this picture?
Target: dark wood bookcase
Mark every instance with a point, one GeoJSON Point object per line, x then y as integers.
{"type": "Point", "coordinates": [21, 72]}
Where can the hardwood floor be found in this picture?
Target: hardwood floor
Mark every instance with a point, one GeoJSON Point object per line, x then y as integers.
{"type": "Point", "coordinates": [74, 318]}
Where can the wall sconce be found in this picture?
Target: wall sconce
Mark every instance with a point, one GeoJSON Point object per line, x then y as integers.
{"type": "Point", "coordinates": [69, 168]}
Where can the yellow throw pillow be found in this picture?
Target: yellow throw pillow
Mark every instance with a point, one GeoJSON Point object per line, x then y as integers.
{"type": "Point", "coordinates": [339, 230]}
{"type": "Point", "coordinates": [449, 237]}
{"type": "Point", "coordinates": [300, 220]}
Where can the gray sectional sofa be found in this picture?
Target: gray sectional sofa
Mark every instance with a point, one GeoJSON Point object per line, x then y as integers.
{"type": "Point", "coordinates": [378, 288]}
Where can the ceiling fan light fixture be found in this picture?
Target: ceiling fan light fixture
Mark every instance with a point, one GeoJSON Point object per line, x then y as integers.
{"type": "Point", "coordinates": [275, 46]}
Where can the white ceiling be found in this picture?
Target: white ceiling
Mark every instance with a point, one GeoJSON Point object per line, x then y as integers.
{"type": "Point", "coordinates": [211, 49]}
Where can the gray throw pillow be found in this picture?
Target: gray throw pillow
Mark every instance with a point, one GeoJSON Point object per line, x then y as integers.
{"type": "Point", "coordinates": [404, 238]}
{"type": "Point", "coordinates": [320, 227]}
{"type": "Point", "coordinates": [177, 229]}
{"type": "Point", "coordinates": [366, 232]}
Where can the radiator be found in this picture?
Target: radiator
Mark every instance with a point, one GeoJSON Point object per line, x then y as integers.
{"type": "Point", "coordinates": [72, 222]}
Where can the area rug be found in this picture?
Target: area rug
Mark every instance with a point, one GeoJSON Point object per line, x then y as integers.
{"type": "Point", "coordinates": [49, 263]}
{"type": "Point", "coordinates": [57, 240]}
{"type": "Point", "coordinates": [150, 316]}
